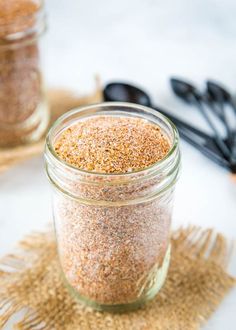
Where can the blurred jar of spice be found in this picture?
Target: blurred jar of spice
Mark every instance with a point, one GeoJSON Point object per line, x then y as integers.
{"type": "Point", "coordinates": [23, 107]}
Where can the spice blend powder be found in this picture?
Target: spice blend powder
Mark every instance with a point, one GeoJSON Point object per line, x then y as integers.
{"type": "Point", "coordinates": [112, 144]}
{"type": "Point", "coordinates": [115, 254]}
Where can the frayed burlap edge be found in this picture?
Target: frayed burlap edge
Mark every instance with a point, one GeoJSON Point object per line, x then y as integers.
{"type": "Point", "coordinates": [196, 284]}
{"type": "Point", "coordinates": [60, 101]}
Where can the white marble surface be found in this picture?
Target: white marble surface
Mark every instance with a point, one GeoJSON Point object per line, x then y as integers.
{"type": "Point", "coordinates": [144, 42]}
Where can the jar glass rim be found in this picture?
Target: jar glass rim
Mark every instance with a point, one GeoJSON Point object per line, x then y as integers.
{"type": "Point", "coordinates": [154, 167]}
{"type": "Point", "coordinates": [35, 30]}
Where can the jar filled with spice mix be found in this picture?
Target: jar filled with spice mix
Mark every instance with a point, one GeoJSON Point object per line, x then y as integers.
{"type": "Point", "coordinates": [113, 168]}
{"type": "Point", "coordinates": [23, 107]}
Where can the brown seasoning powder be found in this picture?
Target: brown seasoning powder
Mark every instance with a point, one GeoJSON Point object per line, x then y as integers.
{"type": "Point", "coordinates": [113, 254]}
{"type": "Point", "coordinates": [112, 144]}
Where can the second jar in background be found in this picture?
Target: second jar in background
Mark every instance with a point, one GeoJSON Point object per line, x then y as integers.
{"type": "Point", "coordinates": [23, 107]}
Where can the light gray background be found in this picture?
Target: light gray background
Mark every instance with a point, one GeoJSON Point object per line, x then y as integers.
{"type": "Point", "coordinates": [145, 42]}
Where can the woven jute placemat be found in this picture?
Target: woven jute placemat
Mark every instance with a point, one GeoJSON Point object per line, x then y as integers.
{"type": "Point", "coordinates": [60, 101]}
{"type": "Point", "coordinates": [197, 282]}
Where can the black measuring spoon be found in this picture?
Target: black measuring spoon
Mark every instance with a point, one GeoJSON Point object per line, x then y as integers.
{"type": "Point", "coordinates": [218, 93]}
{"type": "Point", "coordinates": [217, 97]}
{"type": "Point", "coordinates": [123, 92]}
{"type": "Point", "coordinates": [220, 96]}
{"type": "Point", "coordinates": [190, 94]}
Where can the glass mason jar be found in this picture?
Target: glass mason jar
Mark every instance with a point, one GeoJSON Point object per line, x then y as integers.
{"type": "Point", "coordinates": [23, 108]}
{"type": "Point", "coordinates": [113, 230]}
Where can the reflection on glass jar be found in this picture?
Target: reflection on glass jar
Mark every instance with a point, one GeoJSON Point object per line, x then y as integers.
{"type": "Point", "coordinates": [23, 107]}
{"type": "Point", "coordinates": [113, 229]}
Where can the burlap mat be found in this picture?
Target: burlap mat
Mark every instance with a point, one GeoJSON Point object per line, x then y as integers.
{"type": "Point", "coordinates": [60, 101]}
{"type": "Point", "coordinates": [196, 284]}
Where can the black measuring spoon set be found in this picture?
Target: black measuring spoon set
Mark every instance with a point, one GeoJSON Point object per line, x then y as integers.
{"type": "Point", "coordinates": [220, 149]}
